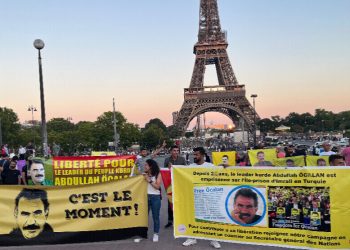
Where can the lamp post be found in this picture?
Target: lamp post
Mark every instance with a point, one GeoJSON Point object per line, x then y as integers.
{"type": "Point", "coordinates": [32, 108]}
{"type": "Point", "coordinates": [254, 136]}
{"type": "Point", "coordinates": [39, 45]}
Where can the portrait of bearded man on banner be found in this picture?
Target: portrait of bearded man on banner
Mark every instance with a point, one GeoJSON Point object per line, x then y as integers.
{"type": "Point", "coordinates": [245, 207]}
{"type": "Point", "coordinates": [36, 171]}
{"type": "Point", "coordinates": [31, 212]}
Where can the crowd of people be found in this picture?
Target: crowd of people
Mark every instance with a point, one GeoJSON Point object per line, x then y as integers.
{"type": "Point", "coordinates": [342, 158]}
{"type": "Point", "coordinates": [17, 171]}
{"type": "Point", "coordinates": [310, 207]}
{"type": "Point", "coordinates": [289, 207]}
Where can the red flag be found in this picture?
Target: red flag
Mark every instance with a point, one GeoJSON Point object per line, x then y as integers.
{"type": "Point", "coordinates": [166, 177]}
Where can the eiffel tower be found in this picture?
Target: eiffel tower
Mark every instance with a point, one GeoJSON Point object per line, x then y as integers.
{"type": "Point", "coordinates": [229, 97]}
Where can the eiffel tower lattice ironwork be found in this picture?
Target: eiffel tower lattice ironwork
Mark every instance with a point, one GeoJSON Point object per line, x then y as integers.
{"type": "Point", "coordinates": [229, 97]}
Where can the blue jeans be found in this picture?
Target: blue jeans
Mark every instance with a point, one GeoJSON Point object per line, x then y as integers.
{"type": "Point", "coordinates": [154, 205]}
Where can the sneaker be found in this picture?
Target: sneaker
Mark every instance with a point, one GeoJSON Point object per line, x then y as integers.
{"type": "Point", "coordinates": [137, 240]}
{"type": "Point", "coordinates": [189, 242]}
{"type": "Point", "coordinates": [155, 237]}
{"type": "Point", "coordinates": [169, 224]}
{"type": "Point", "coordinates": [215, 244]}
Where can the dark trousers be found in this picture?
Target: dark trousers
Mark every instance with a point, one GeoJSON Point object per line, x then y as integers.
{"type": "Point", "coordinates": [170, 213]}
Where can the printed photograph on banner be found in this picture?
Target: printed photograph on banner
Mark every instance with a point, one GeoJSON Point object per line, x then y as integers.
{"type": "Point", "coordinates": [295, 161]}
{"type": "Point", "coordinates": [224, 159]}
{"type": "Point", "coordinates": [238, 205]}
{"type": "Point", "coordinates": [31, 212]}
{"type": "Point", "coordinates": [54, 215]}
{"type": "Point", "coordinates": [317, 161]}
{"type": "Point", "coordinates": [246, 206]}
{"type": "Point", "coordinates": [302, 208]}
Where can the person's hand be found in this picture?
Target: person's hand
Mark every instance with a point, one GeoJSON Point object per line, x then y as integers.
{"type": "Point", "coordinates": [147, 178]}
{"type": "Point", "coordinates": [164, 144]}
{"type": "Point", "coordinates": [170, 165]}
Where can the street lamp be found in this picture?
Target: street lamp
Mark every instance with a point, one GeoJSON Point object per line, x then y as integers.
{"type": "Point", "coordinates": [32, 108]}
{"type": "Point", "coordinates": [39, 45]}
{"type": "Point", "coordinates": [254, 136]}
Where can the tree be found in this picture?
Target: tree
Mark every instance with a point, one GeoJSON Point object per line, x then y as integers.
{"type": "Point", "coordinates": [157, 122]}
{"type": "Point", "coordinates": [9, 126]}
{"type": "Point", "coordinates": [104, 130]}
{"type": "Point", "coordinates": [266, 125]}
{"type": "Point", "coordinates": [59, 125]}
{"type": "Point", "coordinates": [173, 132]}
{"type": "Point", "coordinates": [129, 134]}
{"type": "Point", "coordinates": [86, 134]}
{"type": "Point", "coordinates": [152, 136]}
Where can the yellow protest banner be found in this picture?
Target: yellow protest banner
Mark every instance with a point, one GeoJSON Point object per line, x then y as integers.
{"type": "Point", "coordinates": [315, 160]}
{"type": "Point", "coordinates": [73, 171]}
{"type": "Point", "coordinates": [288, 207]}
{"type": "Point", "coordinates": [103, 153]}
{"type": "Point", "coordinates": [295, 161]}
{"type": "Point", "coordinates": [269, 155]}
{"type": "Point", "coordinates": [55, 215]}
{"type": "Point", "coordinates": [221, 158]}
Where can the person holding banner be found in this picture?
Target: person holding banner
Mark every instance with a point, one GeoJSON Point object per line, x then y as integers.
{"type": "Point", "coordinates": [336, 160]}
{"type": "Point", "coordinates": [153, 177]}
{"type": "Point", "coordinates": [173, 159]}
{"type": "Point", "coordinates": [143, 157]}
{"type": "Point", "coordinates": [199, 161]}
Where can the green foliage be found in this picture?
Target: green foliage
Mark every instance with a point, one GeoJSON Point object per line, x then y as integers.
{"type": "Point", "coordinates": [129, 134]}
{"type": "Point", "coordinates": [152, 136]}
{"type": "Point", "coordinates": [9, 125]}
{"type": "Point", "coordinates": [157, 122]}
{"type": "Point", "coordinates": [173, 132]}
{"type": "Point", "coordinates": [96, 135]}
{"type": "Point", "coordinates": [59, 125]}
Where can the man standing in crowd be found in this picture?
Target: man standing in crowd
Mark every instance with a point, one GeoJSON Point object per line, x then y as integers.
{"type": "Point", "coordinates": [199, 161]}
{"type": "Point", "coordinates": [4, 164]}
{"type": "Point", "coordinates": [56, 149]}
{"type": "Point", "coordinates": [327, 149]}
{"type": "Point", "coordinates": [30, 149]}
{"type": "Point", "coordinates": [11, 176]}
{"type": "Point", "coordinates": [144, 156]}
{"type": "Point", "coordinates": [21, 152]}
{"type": "Point", "coordinates": [336, 160]}
{"type": "Point", "coordinates": [173, 159]}
{"type": "Point", "coordinates": [290, 151]}
{"type": "Point", "coordinates": [346, 153]}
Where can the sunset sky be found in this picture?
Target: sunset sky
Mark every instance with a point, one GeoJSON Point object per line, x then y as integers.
{"type": "Point", "coordinates": [294, 54]}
